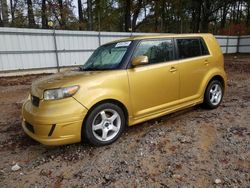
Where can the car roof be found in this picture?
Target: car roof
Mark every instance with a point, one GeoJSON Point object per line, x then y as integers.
{"type": "Point", "coordinates": [141, 37]}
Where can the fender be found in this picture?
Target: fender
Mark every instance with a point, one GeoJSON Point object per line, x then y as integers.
{"type": "Point", "coordinates": [209, 76]}
{"type": "Point", "coordinates": [107, 87]}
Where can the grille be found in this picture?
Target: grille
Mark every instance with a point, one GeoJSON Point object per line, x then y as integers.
{"type": "Point", "coordinates": [29, 127]}
{"type": "Point", "coordinates": [35, 100]}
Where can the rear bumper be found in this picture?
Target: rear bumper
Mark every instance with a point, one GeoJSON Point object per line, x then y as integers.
{"type": "Point", "coordinates": [55, 122]}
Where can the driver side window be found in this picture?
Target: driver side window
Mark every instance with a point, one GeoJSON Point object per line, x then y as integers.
{"type": "Point", "coordinates": [158, 51]}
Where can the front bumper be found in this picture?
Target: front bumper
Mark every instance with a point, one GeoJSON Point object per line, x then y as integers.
{"type": "Point", "coordinates": [56, 122]}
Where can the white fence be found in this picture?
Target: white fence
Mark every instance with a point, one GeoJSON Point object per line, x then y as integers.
{"type": "Point", "coordinates": [234, 44]}
{"type": "Point", "coordinates": [36, 49]}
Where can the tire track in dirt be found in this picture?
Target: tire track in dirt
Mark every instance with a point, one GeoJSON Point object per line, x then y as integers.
{"type": "Point", "coordinates": [206, 140]}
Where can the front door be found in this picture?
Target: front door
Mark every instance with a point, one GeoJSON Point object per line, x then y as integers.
{"type": "Point", "coordinates": [154, 87]}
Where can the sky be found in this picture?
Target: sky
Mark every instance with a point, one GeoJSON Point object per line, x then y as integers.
{"type": "Point", "coordinates": [76, 6]}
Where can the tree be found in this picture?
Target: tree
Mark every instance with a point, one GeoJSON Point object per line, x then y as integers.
{"type": "Point", "coordinates": [248, 13]}
{"type": "Point", "coordinates": [62, 14]}
{"type": "Point", "coordinates": [90, 14]}
{"type": "Point", "coordinates": [80, 15]}
{"type": "Point", "coordinates": [137, 9]}
{"type": "Point", "coordinates": [174, 16]}
{"type": "Point", "coordinates": [31, 17]}
{"type": "Point", "coordinates": [224, 12]}
{"type": "Point", "coordinates": [12, 10]}
{"type": "Point", "coordinates": [4, 7]}
{"type": "Point", "coordinates": [196, 8]}
{"type": "Point", "coordinates": [206, 15]}
{"type": "Point", "coordinates": [209, 8]}
{"type": "Point", "coordinates": [239, 11]}
{"type": "Point", "coordinates": [156, 15]}
{"type": "Point", "coordinates": [44, 15]}
{"type": "Point", "coordinates": [1, 20]}
{"type": "Point", "coordinates": [127, 15]}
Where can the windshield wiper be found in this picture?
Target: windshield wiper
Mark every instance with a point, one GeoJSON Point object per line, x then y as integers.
{"type": "Point", "coordinates": [81, 68]}
{"type": "Point", "coordinates": [95, 68]}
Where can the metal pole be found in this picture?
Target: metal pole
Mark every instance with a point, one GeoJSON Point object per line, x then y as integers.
{"type": "Point", "coordinates": [99, 38]}
{"type": "Point", "coordinates": [227, 44]}
{"type": "Point", "coordinates": [238, 44]}
{"type": "Point", "coordinates": [56, 51]}
{"type": "Point", "coordinates": [99, 28]}
{"type": "Point", "coordinates": [131, 27]}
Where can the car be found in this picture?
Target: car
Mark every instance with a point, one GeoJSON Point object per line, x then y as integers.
{"type": "Point", "coordinates": [123, 83]}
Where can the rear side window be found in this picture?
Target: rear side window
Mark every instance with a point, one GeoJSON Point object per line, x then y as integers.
{"type": "Point", "coordinates": [192, 47]}
{"type": "Point", "coordinates": [157, 50]}
{"type": "Point", "coordinates": [204, 50]}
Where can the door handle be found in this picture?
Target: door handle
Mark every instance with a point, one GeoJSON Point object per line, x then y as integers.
{"type": "Point", "coordinates": [172, 69]}
{"type": "Point", "coordinates": [206, 62]}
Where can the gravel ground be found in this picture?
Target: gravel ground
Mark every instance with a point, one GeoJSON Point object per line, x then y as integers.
{"type": "Point", "coordinates": [191, 148]}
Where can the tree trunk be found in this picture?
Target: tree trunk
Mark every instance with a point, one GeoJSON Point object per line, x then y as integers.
{"type": "Point", "coordinates": [136, 14]}
{"type": "Point", "coordinates": [90, 15]}
{"type": "Point", "coordinates": [156, 16]}
{"type": "Point", "coordinates": [62, 14]}
{"type": "Point", "coordinates": [248, 14]}
{"type": "Point", "coordinates": [31, 18]}
{"type": "Point", "coordinates": [127, 15]}
{"type": "Point", "coordinates": [198, 17]}
{"type": "Point", "coordinates": [179, 17]}
{"type": "Point", "coordinates": [163, 17]}
{"type": "Point", "coordinates": [238, 12]}
{"type": "Point", "coordinates": [234, 12]}
{"type": "Point", "coordinates": [121, 15]}
{"type": "Point", "coordinates": [204, 25]}
{"type": "Point", "coordinates": [44, 15]}
{"type": "Point", "coordinates": [205, 16]}
{"type": "Point", "coordinates": [80, 14]}
{"type": "Point", "coordinates": [12, 11]}
{"type": "Point", "coordinates": [5, 19]}
{"type": "Point", "coordinates": [167, 17]}
{"type": "Point", "coordinates": [1, 21]}
{"type": "Point", "coordinates": [224, 16]}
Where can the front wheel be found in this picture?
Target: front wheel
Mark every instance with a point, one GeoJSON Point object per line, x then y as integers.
{"type": "Point", "coordinates": [104, 124]}
{"type": "Point", "coordinates": [213, 94]}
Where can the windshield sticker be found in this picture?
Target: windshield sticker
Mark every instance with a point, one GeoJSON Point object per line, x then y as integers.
{"type": "Point", "coordinates": [123, 44]}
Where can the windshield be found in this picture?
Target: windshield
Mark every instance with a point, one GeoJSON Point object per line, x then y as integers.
{"type": "Point", "coordinates": [107, 57]}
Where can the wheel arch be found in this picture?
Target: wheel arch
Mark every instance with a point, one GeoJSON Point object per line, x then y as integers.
{"type": "Point", "coordinates": [213, 74]}
{"type": "Point", "coordinates": [219, 78]}
{"type": "Point", "coordinates": [113, 101]}
{"type": "Point", "coordinates": [215, 77]}
{"type": "Point", "coordinates": [206, 96]}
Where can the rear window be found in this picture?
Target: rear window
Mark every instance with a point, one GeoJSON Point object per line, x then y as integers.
{"type": "Point", "coordinates": [191, 47]}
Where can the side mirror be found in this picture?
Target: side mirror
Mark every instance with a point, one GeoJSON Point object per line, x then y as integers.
{"type": "Point", "coordinates": [139, 60]}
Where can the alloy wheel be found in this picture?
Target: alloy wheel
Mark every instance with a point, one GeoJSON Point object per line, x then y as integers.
{"type": "Point", "coordinates": [106, 125]}
{"type": "Point", "coordinates": [215, 94]}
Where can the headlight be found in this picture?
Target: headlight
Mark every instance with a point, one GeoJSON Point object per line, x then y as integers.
{"type": "Point", "coordinates": [60, 93]}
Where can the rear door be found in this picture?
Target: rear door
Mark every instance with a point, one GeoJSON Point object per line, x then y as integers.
{"type": "Point", "coordinates": [194, 62]}
{"type": "Point", "coordinates": [155, 86]}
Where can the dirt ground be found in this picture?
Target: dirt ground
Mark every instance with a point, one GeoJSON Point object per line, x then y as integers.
{"type": "Point", "coordinates": [191, 148]}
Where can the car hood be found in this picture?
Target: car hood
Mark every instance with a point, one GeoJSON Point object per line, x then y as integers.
{"type": "Point", "coordinates": [62, 79]}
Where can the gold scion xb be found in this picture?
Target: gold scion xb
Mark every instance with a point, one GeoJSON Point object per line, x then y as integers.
{"type": "Point", "coordinates": [125, 82]}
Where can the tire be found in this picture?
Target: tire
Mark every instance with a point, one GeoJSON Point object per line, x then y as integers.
{"type": "Point", "coordinates": [104, 124]}
{"type": "Point", "coordinates": [213, 94]}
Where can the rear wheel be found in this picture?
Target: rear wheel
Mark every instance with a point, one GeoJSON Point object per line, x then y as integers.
{"type": "Point", "coordinates": [104, 124]}
{"type": "Point", "coordinates": [213, 95]}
